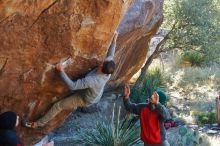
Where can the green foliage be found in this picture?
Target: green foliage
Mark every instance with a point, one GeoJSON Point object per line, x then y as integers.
{"type": "Point", "coordinates": [153, 80]}
{"type": "Point", "coordinates": [205, 117]}
{"type": "Point", "coordinates": [193, 57]}
{"type": "Point", "coordinates": [183, 136]}
{"type": "Point", "coordinates": [112, 133]}
{"type": "Point", "coordinates": [197, 27]}
{"type": "Point", "coordinates": [182, 131]}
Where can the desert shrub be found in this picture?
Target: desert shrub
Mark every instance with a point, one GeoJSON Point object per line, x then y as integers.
{"type": "Point", "coordinates": [152, 82]}
{"type": "Point", "coordinates": [183, 136]}
{"type": "Point", "coordinates": [114, 132]}
{"type": "Point", "coordinates": [205, 117]}
{"type": "Point", "coordinates": [193, 57]}
{"type": "Point", "coordinates": [197, 75]}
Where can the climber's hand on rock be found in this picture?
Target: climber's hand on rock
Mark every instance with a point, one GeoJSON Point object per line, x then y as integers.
{"type": "Point", "coordinates": [115, 36]}
{"type": "Point", "coordinates": [126, 92]}
{"type": "Point", "coordinates": [60, 67]}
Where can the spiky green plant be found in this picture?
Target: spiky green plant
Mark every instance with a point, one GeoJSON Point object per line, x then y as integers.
{"type": "Point", "coordinates": [112, 133]}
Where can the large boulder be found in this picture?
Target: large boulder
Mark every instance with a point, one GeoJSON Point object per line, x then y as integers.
{"type": "Point", "coordinates": [35, 35]}
{"type": "Point", "coordinates": [139, 25]}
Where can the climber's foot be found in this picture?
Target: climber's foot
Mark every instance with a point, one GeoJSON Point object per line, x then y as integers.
{"type": "Point", "coordinates": [27, 124]}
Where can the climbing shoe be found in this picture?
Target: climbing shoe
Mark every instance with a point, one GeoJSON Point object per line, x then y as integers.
{"type": "Point", "coordinates": [26, 123]}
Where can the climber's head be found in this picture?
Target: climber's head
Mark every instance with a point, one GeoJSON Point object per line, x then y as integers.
{"type": "Point", "coordinates": [107, 67]}
{"type": "Point", "coordinates": [8, 120]}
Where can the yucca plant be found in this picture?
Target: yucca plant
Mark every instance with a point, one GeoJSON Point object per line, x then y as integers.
{"type": "Point", "coordinates": [112, 133]}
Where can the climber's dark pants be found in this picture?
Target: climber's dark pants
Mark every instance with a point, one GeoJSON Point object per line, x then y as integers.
{"type": "Point", "coordinates": [165, 143]}
{"type": "Point", "coordinates": [69, 103]}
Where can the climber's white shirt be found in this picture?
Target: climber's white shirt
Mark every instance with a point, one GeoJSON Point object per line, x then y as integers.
{"type": "Point", "coordinates": [93, 85]}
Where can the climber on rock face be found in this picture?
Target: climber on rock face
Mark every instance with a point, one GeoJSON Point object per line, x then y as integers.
{"type": "Point", "coordinates": [88, 90]}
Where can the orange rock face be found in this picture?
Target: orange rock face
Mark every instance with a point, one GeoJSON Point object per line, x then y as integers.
{"type": "Point", "coordinates": [37, 34]}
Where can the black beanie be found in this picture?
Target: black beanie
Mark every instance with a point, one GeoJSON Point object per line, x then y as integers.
{"type": "Point", "coordinates": [8, 120]}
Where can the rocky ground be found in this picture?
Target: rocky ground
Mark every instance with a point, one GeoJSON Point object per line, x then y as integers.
{"type": "Point", "coordinates": [83, 119]}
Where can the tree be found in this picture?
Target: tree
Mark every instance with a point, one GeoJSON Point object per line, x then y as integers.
{"type": "Point", "coordinates": [197, 27]}
{"type": "Point", "coordinates": [189, 25]}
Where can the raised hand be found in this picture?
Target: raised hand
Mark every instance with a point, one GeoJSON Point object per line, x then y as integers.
{"type": "Point", "coordinates": [155, 98]}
